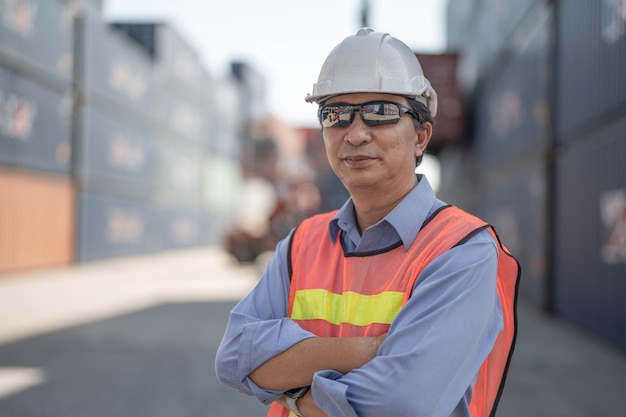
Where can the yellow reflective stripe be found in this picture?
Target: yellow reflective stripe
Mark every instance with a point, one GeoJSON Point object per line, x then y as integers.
{"type": "Point", "coordinates": [349, 307]}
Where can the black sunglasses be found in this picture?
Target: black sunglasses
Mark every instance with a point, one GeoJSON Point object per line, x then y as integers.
{"type": "Point", "coordinates": [373, 113]}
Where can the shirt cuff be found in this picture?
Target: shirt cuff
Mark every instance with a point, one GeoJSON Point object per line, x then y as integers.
{"type": "Point", "coordinates": [330, 394]}
{"type": "Point", "coordinates": [264, 395]}
{"type": "Point", "coordinates": [262, 341]}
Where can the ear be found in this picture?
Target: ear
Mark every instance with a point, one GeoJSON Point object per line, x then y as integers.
{"type": "Point", "coordinates": [424, 133]}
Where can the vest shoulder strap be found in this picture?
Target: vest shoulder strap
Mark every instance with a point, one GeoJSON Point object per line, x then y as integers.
{"type": "Point", "coordinates": [447, 228]}
{"type": "Point", "coordinates": [316, 224]}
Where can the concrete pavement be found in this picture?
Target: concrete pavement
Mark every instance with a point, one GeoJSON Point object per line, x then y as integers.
{"type": "Point", "coordinates": [560, 370]}
{"type": "Point", "coordinates": [137, 337]}
{"type": "Point", "coordinates": [128, 337]}
{"type": "Point", "coordinates": [45, 300]}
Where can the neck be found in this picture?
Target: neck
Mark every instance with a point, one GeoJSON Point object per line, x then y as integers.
{"type": "Point", "coordinates": [372, 206]}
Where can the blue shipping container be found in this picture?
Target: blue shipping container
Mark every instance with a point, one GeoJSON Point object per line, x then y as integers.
{"type": "Point", "coordinates": [34, 126]}
{"type": "Point", "coordinates": [112, 226]}
{"type": "Point", "coordinates": [515, 204]}
{"type": "Point", "coordinates": [116, 151]}
{"type": "Point", "coordinates": [115, 68]}
{"type": "Point", "coordinates": [512, 112]}
{"type": "Point", "coordinates": [591, 68]}
{"type": "Point", "coordinates": [182, 228]}
{"type": "Point", "coordinates": [38, 34]}
{"type": "Point", "coordinates": [590, 252]}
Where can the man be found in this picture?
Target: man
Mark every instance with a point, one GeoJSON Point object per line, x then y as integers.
{"type": "Point", "coordinates": [395, 305]}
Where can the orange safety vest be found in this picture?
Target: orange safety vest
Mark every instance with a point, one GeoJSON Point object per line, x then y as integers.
{"type": "Point", "coordinates": [341, 295]}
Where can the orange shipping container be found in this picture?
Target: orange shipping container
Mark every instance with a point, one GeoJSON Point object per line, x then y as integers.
{"type": "Point", "coordinates": [36, 221]}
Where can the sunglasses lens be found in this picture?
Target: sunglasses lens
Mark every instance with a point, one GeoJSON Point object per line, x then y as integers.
{"type": "Point", "coordinates": [338, 116]}
{"type": "Point", "coordinates": [375, 114]}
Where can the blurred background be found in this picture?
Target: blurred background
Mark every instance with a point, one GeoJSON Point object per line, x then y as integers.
{"type": "Point", "coordinates": [160, 130]}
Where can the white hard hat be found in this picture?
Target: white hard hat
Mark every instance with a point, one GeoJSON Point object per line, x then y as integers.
{"type": "Point", "coordinates": [373, 62]}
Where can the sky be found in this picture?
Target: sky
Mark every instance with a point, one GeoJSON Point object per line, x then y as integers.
{"type": "Point", "coordinates": [286, 41]}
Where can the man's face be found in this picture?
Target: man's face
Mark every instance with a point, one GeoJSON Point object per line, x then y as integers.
{"type": "Point", "coordinates": [375, 158]}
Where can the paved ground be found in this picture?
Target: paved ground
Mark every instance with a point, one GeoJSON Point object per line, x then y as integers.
{"type": "Point", "coordinates": [137, 337]}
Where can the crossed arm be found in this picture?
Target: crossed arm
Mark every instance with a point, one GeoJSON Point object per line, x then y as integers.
{"type": "Point", "coordinates": [295, 367]}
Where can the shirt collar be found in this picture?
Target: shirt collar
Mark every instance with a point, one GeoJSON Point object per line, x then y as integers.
{"type": "Point", "coordinates": [406, 218]}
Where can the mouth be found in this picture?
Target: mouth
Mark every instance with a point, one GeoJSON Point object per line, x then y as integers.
{"type": "Point", "coordinates": [358, 160]}
{"type": "Point", "coordinates": [356, 157]}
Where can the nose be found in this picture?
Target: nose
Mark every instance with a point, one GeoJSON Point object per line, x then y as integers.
{"type": "Point", "coordinates": [357, 133]}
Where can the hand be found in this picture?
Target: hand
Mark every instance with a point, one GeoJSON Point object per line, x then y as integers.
{"type": "Point", "coordinates": [282, 401]}
{"type": "Point", "coordinates": [304, 403]}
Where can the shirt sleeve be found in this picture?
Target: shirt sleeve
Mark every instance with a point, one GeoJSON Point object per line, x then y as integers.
{"type": "Point", "coordinates": [258, 329]}
{"type": "Point", "coordinates": [435, 346]}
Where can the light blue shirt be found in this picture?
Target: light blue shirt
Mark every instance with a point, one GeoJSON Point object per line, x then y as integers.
{"type": "Point", "coordinates": [434, 348]}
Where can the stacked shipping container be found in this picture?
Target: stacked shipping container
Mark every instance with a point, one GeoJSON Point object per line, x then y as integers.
{"type": "Point", "coordinates": [590, 166]}
{"type": "Point", "coordinates": [111, 130]}
{"type": "Point", "coordinates": [511, 129]}
{"type": "Point", "coordinates": [115, 155]}
{"type": "Point", "coordinates": [505, 67]}
{"type": "Point", "coordinates": [36, 191]}
{"type": "Point", "coordinates": [547, 84]}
